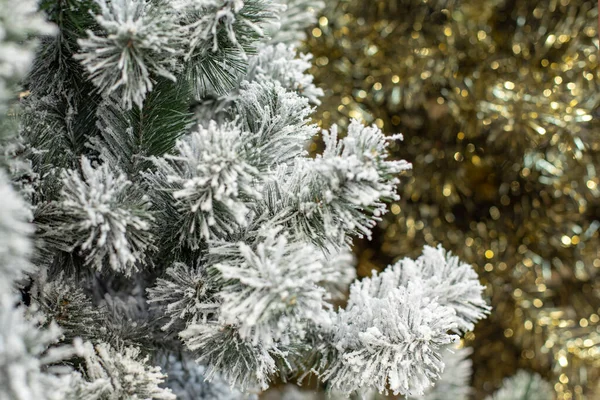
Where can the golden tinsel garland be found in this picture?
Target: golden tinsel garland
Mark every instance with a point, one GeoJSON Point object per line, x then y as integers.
{"type": "Point", "coordinates": [498, 101]}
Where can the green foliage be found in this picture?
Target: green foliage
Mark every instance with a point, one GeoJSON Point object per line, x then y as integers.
{"type": "Point", "coordinates": [129, 137]}
{"type": "Point", "coordinates": [55, 129]}
{"type": "Point", "coordinates": [55, 69]}
{"type": "Point", "coordinates": [220, 46]}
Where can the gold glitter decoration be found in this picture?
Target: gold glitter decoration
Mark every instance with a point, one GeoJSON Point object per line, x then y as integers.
{"type": "Point", "coordinates": [498, 101]}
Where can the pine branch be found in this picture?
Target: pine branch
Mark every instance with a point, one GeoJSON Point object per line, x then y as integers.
{"type": "Point", "coordinates": [283, 64]}
{"type": "Point", "coordinates": [137, 43]}
{"type": "Point", "coordinates": [55, 129]}
{"type": "Point", "coordinates": [102, 215]}
{"type": "Point", "coordinates": [185, 296]}
{"type": "Point", "coordinates": [203, 187]}
{"type": "Point", "coordinates": [454, 381]}
{"type": "Point", "coordinates": [278, 121]}
{"type": "Point", "coordinates": [54, 69]}
{"type": "Point", "coordinates": [294, 20]}
{"type": "Point", "coordinates": [122, 373]}
{"type": "Point", "coordinates": [387, 347]}
{"type": "Point", "coordinates": [273, 291]}
{"type": "Point", "coordinates": [20, 23]}
{"type": "Point", "coordinates": [27, 369]}
{"type": "Point", "coordinates": [15, 231]}
{"type": "Point", "coordinates": [129, 137]}
{"type": "Point", "coordinates": [219, 347]}
{"type": "Point", "coordinates": [444, 278]}
{"type": "Point", "coordinates": [222, 34]}
{"type": "Point", "coordinates": [344, 191]}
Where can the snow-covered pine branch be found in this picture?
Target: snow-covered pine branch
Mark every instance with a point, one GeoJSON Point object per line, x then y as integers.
{"type": "Point", "coordinates": [277, 121]}
{"type": "Point", "coordinates": [28, 368]}
{"type": "Point", "coordinates": [206, 184]}
{"type": "Point", "coordinates": [442, 277]}
{"type": "Point", "coordinates": [62, 300]}
{"type": "Point", "coordinates": [271, 292]}
{"type": "Point", "coordinates": [137, 44]}
{"type": "Point", "coordinates": [293, 21]}
{"type": "Point", "coordinates": [15, 231]}
{"type": "Point", "coordinates": [186, 295]}
{"type": "Point", "coordinates": [225, 353]}
{"type": "Point", "coordinates": [110, 373]}
{"type": "Point", "coordinates": [221, 34]}
{"type": "Point", "coordinates": [344, 191]}
{"type": "Point", "coordinates": [381, 345]}
{"type": "Point", "coordinates": [20, 22]}
{"type": "Point", "coordinates": [102, 215]}
{"type": "Point", "coordinates": [281, 63]}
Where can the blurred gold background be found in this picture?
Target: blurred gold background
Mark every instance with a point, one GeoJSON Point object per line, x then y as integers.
{"type": "Point", "coordinates": [498, 102]}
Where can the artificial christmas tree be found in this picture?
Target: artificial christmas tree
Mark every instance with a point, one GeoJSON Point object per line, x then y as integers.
{"type": "Point", "coordinates": [176, 230]}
